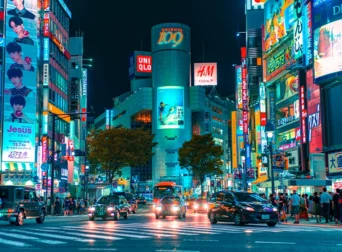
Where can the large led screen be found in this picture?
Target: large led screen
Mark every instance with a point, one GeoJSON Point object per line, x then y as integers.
{"type": "Point", "coordinates": [170, 110]}
{"type": "Point", "coordinates": [20, 82]}
{"type": "Point", "coordinates": [328, 50]}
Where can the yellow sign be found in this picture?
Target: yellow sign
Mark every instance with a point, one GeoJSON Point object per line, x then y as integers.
{"type": "Point", "coordinates": [234, 152]}
{"type": "Point", "coordinates": [172, 36]}
{"type": "Point", "coordinates": [53, 109]}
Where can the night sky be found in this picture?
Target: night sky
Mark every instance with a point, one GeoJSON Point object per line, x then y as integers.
{"type": "Point", "coordinates": [114, 29]}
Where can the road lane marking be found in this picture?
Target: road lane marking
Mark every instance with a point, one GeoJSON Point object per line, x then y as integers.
{"type": "Point", "coordinates": [86, 235]}
{"type": "Point", "coordinates": [94, 230]}
{"type": "Point", "coordinates": [62, 237]}
{"type": "Point", "coordinates": [194, 240]}
{"type": "Point", "coordinates": [122, 230]}
{"type": "Point", "coordinates": [36, 239]}
{"type": "Point", "coordinates": [14, 243]}
{"type": "Point", "coordinates": [97, 249]}
{"type": "Point", "coordinates": [270, 242]}
{"type": "Point", "coordinates": [169, 250]}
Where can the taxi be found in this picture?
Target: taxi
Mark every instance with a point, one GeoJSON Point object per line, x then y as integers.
{"type": "Point", "coordinates": [110, 206]}
{"type": "Point", "coordinates": [170, 206]}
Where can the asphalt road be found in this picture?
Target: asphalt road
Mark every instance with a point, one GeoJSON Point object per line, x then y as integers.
{"type": "Point", "coordinates": [142, 232]}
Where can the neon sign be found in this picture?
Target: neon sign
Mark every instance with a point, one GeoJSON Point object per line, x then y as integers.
{"type": "Point", "coordinates": [172, 36]}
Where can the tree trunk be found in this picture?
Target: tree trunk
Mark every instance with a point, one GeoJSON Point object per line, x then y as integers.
{"type": "Point", "coordinates": [202, 186]}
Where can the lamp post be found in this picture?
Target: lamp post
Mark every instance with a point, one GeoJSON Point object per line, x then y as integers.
{"type": "Point", "coordinates": [269, 129]}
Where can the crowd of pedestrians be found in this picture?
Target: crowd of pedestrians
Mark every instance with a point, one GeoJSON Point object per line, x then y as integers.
{"type": "Point", "coordinates": [70, 206]}
{"type": "Point", "coordinates": [319, 205]}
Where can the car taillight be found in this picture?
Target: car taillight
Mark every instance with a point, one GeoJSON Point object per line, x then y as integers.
{"type": "Point", "coordinates": [10, 210]}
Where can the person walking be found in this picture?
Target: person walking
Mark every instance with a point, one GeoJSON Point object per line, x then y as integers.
{"type": "Point", "coordinates": [317, 207]}
{"type": "Point", "coordinates": [66, 206]}
{"type": "Point", "coordinates": [58, 206]}
{"type": "Point", "coordinates": [325, 204]}
{"type": "Point", "coordinates": [303, 212]}
{"type": "Point", "coordinates": [336, 207]}
{"type": "Point", "coordinates": [295, 201]}
{"type": "Point", "coordinates": [340, 205]}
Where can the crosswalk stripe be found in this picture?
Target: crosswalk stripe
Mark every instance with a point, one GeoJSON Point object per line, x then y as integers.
{"type": "Point", "coordinates": [122, 230]}
{"type": "Point", "coordinates": [188, 230]}
{"type": "Point", "coordinates": [55, 236]}
{"type": "Point", "coordinates": [86, 235]}
{"type": "Point", "coordinates": [14, 243]}
{"type": "Point", "coordinates": [24, 237]}
{"type": "Point", "coordinates": [94, 230]}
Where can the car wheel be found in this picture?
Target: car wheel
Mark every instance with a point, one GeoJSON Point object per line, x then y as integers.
{"type": "Point", "coordinates": [41, 218]}
{"type": "Point", "coordinates": [212, 218]}
{"type": "Point", "coordinates": [157, 216]}
{"type": "Point", "coordinates": [195, 211]}
{"type": "Point", "coordinates": [104, 218]}
{"type": "Point", "coordinates": [184, 215]}
{"type": "Point", "coordinates": [164, 216]}
{"type": "Point", "coordinates": [20, 219]}
{"type": "Point", "coordinates": [271, 224]}
{"type": "Point", "coordinates": [125, 217]}
{"type": "Point", "coordinates": [91, 218]}
{"type": "Point", "coordinates": [237, 219]}
{"type": "Point", "coordinates": [116, 216]}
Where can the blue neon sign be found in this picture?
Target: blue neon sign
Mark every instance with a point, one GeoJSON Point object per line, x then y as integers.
{"type": "Point", "coordinates": [46, 49]}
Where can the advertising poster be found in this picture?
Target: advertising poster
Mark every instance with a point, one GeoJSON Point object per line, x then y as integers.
{"type": "Point", "coordinates": [234, 135]}
{"type": "Point", "coordinates": [205, 74]}
{"type": "Point", "coordinates": [20, 82]}
{"type": "Point", "coordinates": [279, 18]}
{"type": "Point", "coordinates": [327, 50]}
{"type": "Point", "coordinates": [170, 102]}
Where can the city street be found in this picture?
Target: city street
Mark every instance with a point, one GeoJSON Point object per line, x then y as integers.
{"type": "Point", "coordinates": [142, 232]}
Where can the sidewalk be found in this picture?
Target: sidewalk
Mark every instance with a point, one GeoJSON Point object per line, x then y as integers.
{"type": "Point", "coordinates": [311, 223]}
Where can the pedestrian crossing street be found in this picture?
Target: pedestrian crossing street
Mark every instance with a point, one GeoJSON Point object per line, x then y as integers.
{"type": "Point", "coordinates": [93, 232]}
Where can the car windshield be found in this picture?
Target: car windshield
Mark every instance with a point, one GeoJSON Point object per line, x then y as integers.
{"type": "Point", "coordinates": [114, 200]}
{"type": "Point", "coordinates": [159, 192]}
{"type": "Point", "coordinates": [170, 200]}
{"type": "Point", "coordinates": [248, 197]}
{"type": "Point", "coordinates": [129, 196]}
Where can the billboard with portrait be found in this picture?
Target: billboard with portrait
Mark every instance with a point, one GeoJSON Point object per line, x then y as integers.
{"type": "Point", "coordinates": [327, 51]}
{"type": "Point", "coordinates": [170, 110]}
{"type": "Point", "coordinates": [279, 20]}
{"type": "Point", "coordinates": [20, 86]}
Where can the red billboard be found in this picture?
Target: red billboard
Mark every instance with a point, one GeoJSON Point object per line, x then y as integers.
{"type": "Point", "coordinates": [314, 126]}
{"type": "Point", "coordinates": [144, 64]}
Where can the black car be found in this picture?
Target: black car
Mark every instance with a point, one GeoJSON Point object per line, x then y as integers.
{"type": "Point", "coordinates": [130, 199]}
{"type": "Point", "coordinates": [18, 203]}
{"type": "Point", "coordinates": [111, 206]}
{"type": "Point", "coordinates": [170, 206]}
{"type": "Point", "coordinates": [242, 208]}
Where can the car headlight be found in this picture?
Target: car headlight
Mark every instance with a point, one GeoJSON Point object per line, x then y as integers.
{"type": "Point", "coordinates": [91, 209]}
{"type": "Point", "coordinates": [159, 208]}
{"type": "Point", "coordinates": [206, 206]}
{"type": "Point", "coordinates": [195, 206]}
{"type": "Point", "coordinates": [186, 203]}
{"type": "Point", "coordinates": [249, 209]}
{"type": "Point", "coordinates": [110, 208]}
{"type": "Point", "coordinates": [275, 209]}
{"type": "Point", "coordinates": [176, 208]}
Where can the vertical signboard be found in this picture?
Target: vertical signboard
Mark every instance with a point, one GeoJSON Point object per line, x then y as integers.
{"type": "Point", "coordinates": [170, 111]}
{"type": "Point", "coordinates": [315, 138]}
{"type": "Point", "coordinates": [234, 136]}
{"type": "Point", "coordinates": [238, 75]}
{"type": "Point", "coordinates": [298, 29]}
{"type": "Point", "coordinates": [307, 12]}
{"type": "Point", "coordinates": [19, 127]}
{"type": "Point", "coordinates": [303, 114]}
{"type": "Point", "coordinates": [244, 91]}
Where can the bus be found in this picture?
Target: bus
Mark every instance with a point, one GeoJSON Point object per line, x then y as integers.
{"type": "Point", "coordinates": [166, 188]}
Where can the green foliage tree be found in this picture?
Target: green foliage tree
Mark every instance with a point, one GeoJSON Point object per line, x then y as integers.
{"type": "Point", "coordinates": [200, 156]}
{"type": "Point", "coordinates": [116, 148]}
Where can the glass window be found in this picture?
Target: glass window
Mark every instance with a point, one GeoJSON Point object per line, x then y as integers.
{"type": "Point", "coordinates": [26, 194]}
{"type": "Point", "coordinates": [114, 200]}
{"type": "Point", "coordinates": [102, 200]}
{"type": "Point", "coordinates": [4, 194]}
{"type": "Point", "coordinates": [19, 194]}
{"type": "Point", "coordinates": [247, 197]}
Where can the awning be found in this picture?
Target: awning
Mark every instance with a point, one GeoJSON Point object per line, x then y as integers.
{"type": "Point", "coordinates": [260, 180]}
{"type": "Point", "coordinates": [307, 182]}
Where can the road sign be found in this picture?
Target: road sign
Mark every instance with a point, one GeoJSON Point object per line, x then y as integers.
{"type": "Point", "coordinates": [38, 186]}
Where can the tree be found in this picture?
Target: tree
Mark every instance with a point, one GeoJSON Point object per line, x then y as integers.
{"type": "Point", "coordinates": [116, 148]}
{"type": "Point", "coordinates": [200, 156]}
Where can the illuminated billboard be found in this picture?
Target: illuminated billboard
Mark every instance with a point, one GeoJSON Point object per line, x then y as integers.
{"type": "Point", "coordinates": [279, 18]}
{"type": "Point", "coordinates": [140, 64]}
{"type": "Point", "coordinates": [19, 127]}
{"type": "Point", "coordinates": [170, 110]}
{"type": "Point", "coordinates": [205, 74]}
{"type": "Point", "coordinates": [315, 137]}
{"type": "Point", "coordinates": [238, 75]}
{"type": "Point", "coordinates": [327, 51]}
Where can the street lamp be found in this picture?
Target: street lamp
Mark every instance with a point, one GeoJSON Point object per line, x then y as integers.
{"type": "Point", "coordinates": [238, 33]}
{"type": "Point", "coordinates": [269, 129]}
